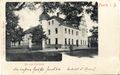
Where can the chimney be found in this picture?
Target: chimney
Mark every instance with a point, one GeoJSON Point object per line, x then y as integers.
{"type": "Point", "coordinates": [58, 14]}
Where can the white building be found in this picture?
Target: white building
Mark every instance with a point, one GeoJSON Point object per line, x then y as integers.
{"type": "Point", "coordinates": [61, 33]}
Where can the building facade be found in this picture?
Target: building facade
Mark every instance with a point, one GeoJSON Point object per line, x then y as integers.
{"type": "Point", "coordinates": [62, 34]}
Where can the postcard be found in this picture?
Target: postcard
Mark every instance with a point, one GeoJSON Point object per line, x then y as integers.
{"type": "Point", "coordinates": [56, 37]}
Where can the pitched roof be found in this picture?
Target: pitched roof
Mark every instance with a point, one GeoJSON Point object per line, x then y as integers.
{"type": "Point", "coordinates": [44, 16]}
{"type": "Point", "coordinates": [60, 20]}
{"type": "Point", "coordinates": [69, 24]}
{"type": "Point", "coordinates": [71, 21]}
{"type": "Point", "coordinates": [30, 30]}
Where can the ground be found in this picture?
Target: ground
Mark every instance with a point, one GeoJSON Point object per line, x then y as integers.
{"type": "Point", "coordinates": [45, 55]}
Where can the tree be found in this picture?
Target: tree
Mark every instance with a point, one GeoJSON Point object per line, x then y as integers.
{"type": "Point", "coordinates": [93, 41]}
{"type": "Point", "coordinates": [19, 34]}
{"type": "Point", "coordinates": [38, 35]}
{"type": "Point", "coordinates": [93, 11]}
{"type": "Point", "coordinates": [13, 33]}
{"type": "Point", "coordinates": [67, 8]}
{"type": "Point", "coordinates": [72, 9]}
{"type": "Point", "coordinates": [94, 31]}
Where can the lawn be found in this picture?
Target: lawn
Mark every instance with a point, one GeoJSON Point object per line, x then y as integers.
{"type": "Point", "coordinates": [34, 56]}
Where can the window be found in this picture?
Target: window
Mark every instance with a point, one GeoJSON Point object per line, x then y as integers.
{"type": "Point", "coordinates": [65, 41]}
{"type": "Point", "coordinates": [56, 40]}
{"type": "Point", "coordinates": [49, 41]}
{"type": "Point", "coordinates": [83, 32]}
{"type": "Point", "coordinates": [65, 30]}
{"type": "Point", "coordinates": [69, 31]}
{"type": "Point", "coordinates": [72, 41]}
{"type": "Point", "coordinates": [40, 22]}
{"type": "Point", "coordinates": [77, 43]}
{"type": "Point", "coordinates": [72, 32]}
{"type": "Point", "coordinates": [48, 32]}
{"type": "Point", "coordinates": [56, 30]}
{"type": "Point", "coordinates": [84, 42]}
{"type": "Point", "coordinates": [81, 42]}
{"type": "Point", "coordinates": [69, 41]}
{"type": "Point", "coordinates": [76, 32]}
{"type": "Point", "coordinates": [49, 23]}
{"type": "Point", "coordinates": [52, 21]}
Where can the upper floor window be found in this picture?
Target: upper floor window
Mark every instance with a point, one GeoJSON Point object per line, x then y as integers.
{"type": "Point", "coordinates": [65, 30]}
{"type": "Point", "coordinates": [72, 32]}
{"type": "Point", "coordinates": [56, 30]}
{"type": "Point", "coordinates": [83, 32]}
{"type": "Point", "coordinates": [52, 21]}
{"type": "Point", "coordinates": [76, 32]}
{"type": "Point", "coordinates": [69, 31]}
{"type": "Point", "coordinates": [40, 22]}
{"type": "Point", "coordinates": [49, 22]}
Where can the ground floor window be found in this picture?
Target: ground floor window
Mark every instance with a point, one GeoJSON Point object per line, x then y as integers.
{"type": "Point", "coordinates": [49, 41]}
{"type": "Point", "coordinates": [65, 41]}
{"type": "Point", "coordinates": [77, 42]}
{"type": "Point", "coordinates": [84, 42]}
{"type": "Point", "coordinates": [56, 40]}
{"type": "Point", "coordinates": [72, 41]}
{"type": "Point", "coordinates": [81, 42]}
{"type": "Point", "coordinates": [69, 41]}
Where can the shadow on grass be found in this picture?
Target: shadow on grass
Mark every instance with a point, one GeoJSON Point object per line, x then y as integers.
{"type": "Point", "coordinates": [83, 53]}
{"type": "Point", "coordinates": [36, 56]}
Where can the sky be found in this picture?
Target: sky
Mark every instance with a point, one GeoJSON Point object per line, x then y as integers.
{"type": "Point", "coordinates": [30, 18]}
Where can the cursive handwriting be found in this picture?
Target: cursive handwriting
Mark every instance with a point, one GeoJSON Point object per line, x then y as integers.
{"type": "Point", "coordinates": [45, 69]}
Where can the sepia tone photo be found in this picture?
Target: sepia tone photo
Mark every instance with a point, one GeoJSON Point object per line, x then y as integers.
{"type": "Point", "coordinates": [49, 31]}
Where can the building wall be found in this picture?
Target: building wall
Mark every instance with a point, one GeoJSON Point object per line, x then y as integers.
{"type": "Point", "coordinates": [53, 34]}
{"type": "Point", "coordinates": [70, 34]}
{"type": "Point", "coordinates": [26, 39]}
{"type": "Point", "coordinates": [61, 35]}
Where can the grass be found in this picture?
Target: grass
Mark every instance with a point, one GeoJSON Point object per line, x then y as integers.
{"type": "Point", "coordinates": [36, 56]}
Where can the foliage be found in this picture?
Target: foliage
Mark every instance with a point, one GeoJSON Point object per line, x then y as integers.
{"type": "Point", "coordinates": [73, 8]}
{"type": "Point", "coordinates": [94, 31]}
{"type": "Point", "coordinates": [38, 35]}
{"type": "Point", "coordinates": [14, 32]}
{"type": "Point", "coordinates": [67, 8]}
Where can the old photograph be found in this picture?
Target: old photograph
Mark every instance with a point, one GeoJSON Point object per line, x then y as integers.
{"type": "Point", "coordinates": [49, 31]}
